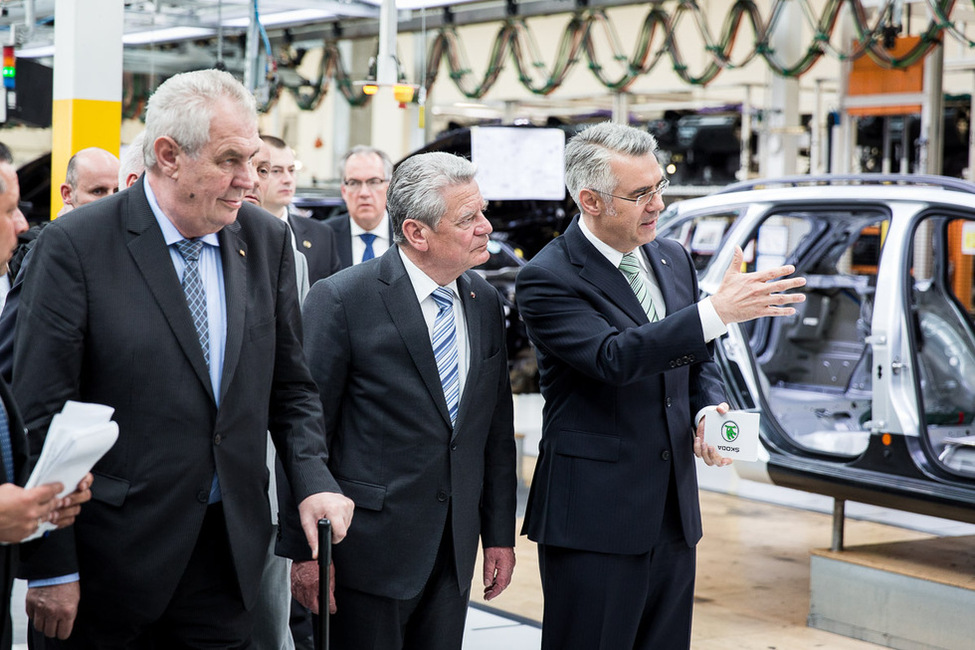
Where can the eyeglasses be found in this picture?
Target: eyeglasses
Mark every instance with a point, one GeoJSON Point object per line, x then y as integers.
{"type": "Point", "coordinates": [372, 184]}
{"type": "Point", "coordinates": [644, 198]}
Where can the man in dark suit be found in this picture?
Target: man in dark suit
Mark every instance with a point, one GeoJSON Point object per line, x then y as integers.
{"type": "Point", "coordinates": [366, 230]}
{"type": "Point", "coordinates": [624, 352]}
{"type": "Point", "coordinates": [408, 353]}
{"type": "Point", "coordinates": [21, 511]}
{"type": "Point", "coordinates": [312, 238]}
{"type": "Point", "coordinates": [174, 302]}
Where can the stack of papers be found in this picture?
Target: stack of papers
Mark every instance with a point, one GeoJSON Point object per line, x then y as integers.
{"type": "Point", "coordinates": [78, 437]}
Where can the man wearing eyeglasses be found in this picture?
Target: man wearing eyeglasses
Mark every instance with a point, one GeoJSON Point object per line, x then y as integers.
{"type": "Point", "coordinates": [366, 231]}
{"type": "Point", "coordinates": [625, 354]}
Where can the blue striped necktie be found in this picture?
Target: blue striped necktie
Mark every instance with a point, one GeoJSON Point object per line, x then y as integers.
{"type": "Point", "coordinates": [631, 270]}
{"type": "Point", "coordinates": [445, 349]}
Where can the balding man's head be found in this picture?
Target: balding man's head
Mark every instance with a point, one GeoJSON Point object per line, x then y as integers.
{"type": "Point", "coordinates": [92, 174]}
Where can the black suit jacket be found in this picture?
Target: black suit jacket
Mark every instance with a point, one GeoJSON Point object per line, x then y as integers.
{"type": "Point", "coordinates": [620, 396]}
{"type": "Point", "coordinates": [392, 448]}
{"type": "Point", "coordinates": [9, 553]}
{"type": "Point", "coordinates": [317, 242]}
{"type": "Point", "coordinates": [103, 319]}
{"type": "Point", "coordinates": [341, 225]}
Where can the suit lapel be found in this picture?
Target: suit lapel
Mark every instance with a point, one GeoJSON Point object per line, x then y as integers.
{"type": "Point", "coordinates": [596, 269]}
{"type": "Point", "coordinates": [475, 337]}
{"type": "Point", "coordinates": [663, 268]}
{"type": "Point", "coordinates": [233, 254]}
{"type": "Point", "coordinates": [343, 230]}
{"type": "Point", "coordinates": [151, 256]}
{"type": "Point", "coordinates": [399, 297]}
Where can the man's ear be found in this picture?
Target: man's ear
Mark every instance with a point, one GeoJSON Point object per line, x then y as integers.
{"type": "Point", "coordinates": [66, 194]}
{"type": "Point", "coordinates": [591, 202]}
{"type": "Point", "coordinates": [167, 156]}
{"type": "Point", "coordinates": [415, 234]}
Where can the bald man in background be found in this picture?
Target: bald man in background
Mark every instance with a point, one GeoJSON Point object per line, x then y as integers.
{"type": "Point", "coordinates": [92, 174]}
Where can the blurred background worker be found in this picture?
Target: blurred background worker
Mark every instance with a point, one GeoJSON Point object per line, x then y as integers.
{"type": "Point", "coordinates": [92, 174]}
{"type": "Point", "coordinates": [365, 231]}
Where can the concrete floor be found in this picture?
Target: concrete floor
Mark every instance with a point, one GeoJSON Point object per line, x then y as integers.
{"type": "Point", "coordinates": [752, 588]}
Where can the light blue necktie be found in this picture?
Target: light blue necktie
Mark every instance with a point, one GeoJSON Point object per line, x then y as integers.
{"type": "Point", "coordinates": [631, 270]}
{"type": "Point", "coordinates": [196, 300]}
{"type": "Point", "coordinates": [445, 350]}
{"type": "Point", "coordinates": [196, 297]}
{"type": "Point", "coordinates": [6, 448]}
{"type": "Point", "coordinates": [367, 239]}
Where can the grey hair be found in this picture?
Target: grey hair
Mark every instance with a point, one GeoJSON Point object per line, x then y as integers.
{"type": "Point", "coordinates": [133, 160]}
{"type": "Point", "coordinates": [182, 108]}
{"type": "Point", "coordinates": [365, 150]}
{"type": "Point", "coordinates": [417, 188]}
{"type": "Point", "coordinates": [589, 153]}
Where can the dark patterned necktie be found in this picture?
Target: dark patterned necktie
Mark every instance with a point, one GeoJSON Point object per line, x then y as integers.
{"type": "Point", "coordinates": [196, 297]}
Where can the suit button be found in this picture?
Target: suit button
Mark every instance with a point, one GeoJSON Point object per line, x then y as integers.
{"type": "Point", "coordinates": [441, 496]}
{"type": "Point", "coordinates": [202, 496]}
{"type": "Point", "coordinates": [217, 439]}
{"type": "Point", "coordinates": [453, 447]}
{"type": "Point", "coordinates": [665, 454]}
{"type": "Point", "coordinates": [667, 402]}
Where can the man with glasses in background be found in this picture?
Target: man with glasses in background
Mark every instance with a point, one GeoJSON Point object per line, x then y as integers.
{"type": "Point", "coordinates": [624, 346]}
{"type": "Point", "coordinates": [366, 231]}
{"type": "Point", "coordinates": [310, 237]}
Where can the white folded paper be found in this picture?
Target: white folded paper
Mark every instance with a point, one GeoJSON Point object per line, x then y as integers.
{"type": "Point", "coordinates": [735, 434]}
{"type": "Point", "coordinates": [76, 439]}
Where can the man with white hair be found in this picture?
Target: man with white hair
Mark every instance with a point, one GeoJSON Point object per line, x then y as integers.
{"type": "Point", "coordinates": [173, 302]}
{"type": "Point", "coordinates": [408, 354]}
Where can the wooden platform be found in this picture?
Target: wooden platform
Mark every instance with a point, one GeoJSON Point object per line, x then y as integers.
{"type": "Point", "coordinates": [908, 595]}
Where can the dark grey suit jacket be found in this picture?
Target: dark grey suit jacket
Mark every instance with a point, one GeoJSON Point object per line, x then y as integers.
{"type": "Point", "coordinates": [620, 397]}
{"type": "Point", "coordinates": [103, 319]}
{"type": "Point", "coordinates": [318, 243]}
{"type": "Point", "coordinates": [392, 448]}
{"type": "Point", "coordinates": [341, 225]}
{"type": "Point", "coordinates": [9, 552]}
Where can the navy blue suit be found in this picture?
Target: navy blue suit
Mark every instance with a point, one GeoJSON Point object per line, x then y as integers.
{"type": "Point", "coordinates": [615, 472]}
{"type": "Point", "coordinates": [342, 227]}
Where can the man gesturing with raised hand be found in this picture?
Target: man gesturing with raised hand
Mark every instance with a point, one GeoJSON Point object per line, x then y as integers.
{"type": "Point", "coordinates": [624, 346]}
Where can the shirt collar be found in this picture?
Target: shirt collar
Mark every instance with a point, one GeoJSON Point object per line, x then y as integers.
{"type": "Point", "coordinates": [422, 283]}
{"type": "Point", "coordinates": [170, 233]}
{"type": "Point", "coordinates": [607, 251]}
{"type": "Point", "coordinates": [381, 231]}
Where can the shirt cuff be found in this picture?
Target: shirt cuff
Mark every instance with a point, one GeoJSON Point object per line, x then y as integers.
{"type": "Point", "coordinates": [711, 323]}
{"type": "Point", "coordinates": [50, 582]}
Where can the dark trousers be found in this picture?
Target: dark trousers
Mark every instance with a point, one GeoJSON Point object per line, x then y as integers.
{"type": "Point", "coordinates": [433, 620]}
{"type": "Point", "coordinates": [206, 611]}
{"type": "Point", "coordinates": [603, 601]}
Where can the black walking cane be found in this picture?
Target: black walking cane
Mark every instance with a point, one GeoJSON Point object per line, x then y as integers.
{"type": "Point", "coordinates": [324, 561]}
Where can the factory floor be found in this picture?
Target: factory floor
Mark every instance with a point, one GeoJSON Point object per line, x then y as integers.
{"type": "Point", "coordinates": [753, 569]}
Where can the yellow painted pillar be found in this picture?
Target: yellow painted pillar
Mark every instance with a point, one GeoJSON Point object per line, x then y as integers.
{"type": "Point", "coordinates": [87, 98]}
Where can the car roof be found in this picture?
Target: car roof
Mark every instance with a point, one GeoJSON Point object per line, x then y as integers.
{"type": "Point", "coordinates": [873, 189]}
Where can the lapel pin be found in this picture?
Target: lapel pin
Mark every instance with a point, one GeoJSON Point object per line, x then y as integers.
{"type": "Point", "coordinates": [663, 261]}
{"type": "Point", "coordinates": [306, 243]}
{"type": "Point", "coordinates": [242, 253]}
{"type": "Point", "coordinates": [472, 295]}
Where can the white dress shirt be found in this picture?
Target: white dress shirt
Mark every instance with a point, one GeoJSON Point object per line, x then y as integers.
{"type": "Point", "coordinates": [711, 323]}
{"type": "Point", "coordinates": [424, 287]}
{"type": "Point", "coordinates": [379, 245]}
